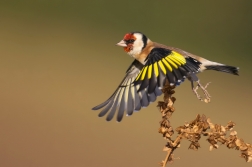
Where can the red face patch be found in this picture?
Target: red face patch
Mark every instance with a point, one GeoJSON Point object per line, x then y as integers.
{"type": "Point", "coordinates": [129, 36]}
{"type": "Point", "coordinates": [128, 48]}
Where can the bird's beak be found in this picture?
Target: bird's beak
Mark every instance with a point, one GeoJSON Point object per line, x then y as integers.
{"type": "Point", "coordinates": [121, 43]}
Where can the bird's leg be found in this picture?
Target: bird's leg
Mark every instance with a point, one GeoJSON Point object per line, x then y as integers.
{"type": "Point", "coordinates": [207, 95]}
{"type": "Point", "coordinates": [195, 91]}
{"type": "Point", "coordinates": [193, 78]}
{"type": "Point", "coordinates": [203, 88]}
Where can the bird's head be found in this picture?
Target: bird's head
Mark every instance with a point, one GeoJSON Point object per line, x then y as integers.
{"type": "Point", "coordinates": [133, 43]}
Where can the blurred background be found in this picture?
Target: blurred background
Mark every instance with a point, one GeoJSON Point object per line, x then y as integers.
{"type": "Point", "coordinates": [58, 59]}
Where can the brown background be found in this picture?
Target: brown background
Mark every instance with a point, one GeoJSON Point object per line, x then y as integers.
{"type": "Point", "coordinates": [58, 59]}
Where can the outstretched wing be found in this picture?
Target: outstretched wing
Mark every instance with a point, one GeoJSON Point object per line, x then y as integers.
{"type": "Point", "coordinates": [162, 64]}
{"type": "Point", "coordinates": [127, 97]}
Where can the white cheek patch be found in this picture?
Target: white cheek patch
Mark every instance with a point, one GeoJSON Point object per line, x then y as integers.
{"type": "Point", "coordinates": [137, 46]}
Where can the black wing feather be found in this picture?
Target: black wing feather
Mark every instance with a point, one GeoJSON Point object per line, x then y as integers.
{"type": "Point", "coordinates": [144, 99]}
{"type": "Point", "coordinates": [106, 109]}
{"type": "Point", "coordinates": [130, 106]}
{"type": "Point", "coordinates": [152, 82]}
{"type": "Point", "coordinates": [121, 108]}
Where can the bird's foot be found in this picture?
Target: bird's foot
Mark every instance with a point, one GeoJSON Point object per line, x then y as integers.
{"type": "Point", "coordinates": [203, 88]}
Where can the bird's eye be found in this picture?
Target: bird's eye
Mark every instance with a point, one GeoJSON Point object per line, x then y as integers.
{"type": "Point", "coordinates": [131, 40]}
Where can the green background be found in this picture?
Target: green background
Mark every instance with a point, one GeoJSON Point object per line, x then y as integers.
{"type": "Point", "coordinates": [58, 59]}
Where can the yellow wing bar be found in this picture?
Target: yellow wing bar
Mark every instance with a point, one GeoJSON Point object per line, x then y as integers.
{"type": "Point", "coordinates": [169, 62]}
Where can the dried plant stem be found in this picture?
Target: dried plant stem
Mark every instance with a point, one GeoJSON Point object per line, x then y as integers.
{"type": "Point", "coordinates": [170, 150]}
{"type": "Point", "coordinates": [167, 157]}
{"type": "Point", "coordinates": [195, 129]}
{"type": "Point", "coordinates": [166, 109]}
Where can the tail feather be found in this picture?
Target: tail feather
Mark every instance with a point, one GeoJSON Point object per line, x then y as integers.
{"type": "Point", "coordinates": [224, 68]}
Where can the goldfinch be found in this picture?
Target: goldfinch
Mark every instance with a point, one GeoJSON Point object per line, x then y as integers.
{"type": "Point", "coordinates": [153, 64]}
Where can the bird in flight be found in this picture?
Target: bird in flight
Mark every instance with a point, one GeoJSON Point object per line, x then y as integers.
{"type": "Point", "coordinates": [153, 65]}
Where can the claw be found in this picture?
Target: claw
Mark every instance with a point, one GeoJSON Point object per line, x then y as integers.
{"type": "Point", "coordinates": [203, 88]}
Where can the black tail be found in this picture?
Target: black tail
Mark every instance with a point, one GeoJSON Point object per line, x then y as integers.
{"type": "Point", "coordinates": [224, 68]}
